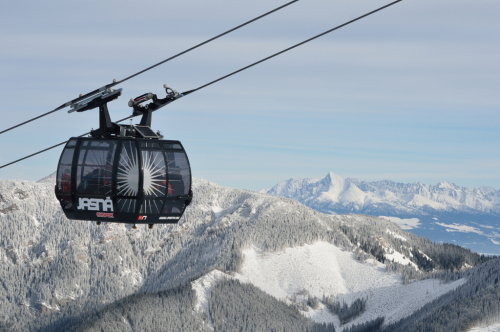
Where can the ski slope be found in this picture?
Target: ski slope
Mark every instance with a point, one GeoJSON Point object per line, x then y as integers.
{"type": "Point", "coordinates": [324, 269]}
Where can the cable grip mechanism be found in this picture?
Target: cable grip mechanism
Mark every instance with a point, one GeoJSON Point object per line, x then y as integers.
{"type": "Point", "coordinates": [96, 100]}
{"type": "Point", "coordinates": [156, 104]}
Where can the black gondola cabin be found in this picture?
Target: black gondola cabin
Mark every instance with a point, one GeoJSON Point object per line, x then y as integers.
{"type": "Point", "coordinates": [125, 174]}
{"type": "Point", "coordinates": [123, 180]}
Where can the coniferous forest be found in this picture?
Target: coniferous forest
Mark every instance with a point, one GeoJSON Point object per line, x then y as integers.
{"type": "Point", "coordinates": [58, 274]}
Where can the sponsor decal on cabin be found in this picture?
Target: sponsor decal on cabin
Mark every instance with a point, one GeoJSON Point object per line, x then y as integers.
{"type": "Point", "coordinates": [104, 215]}
{"type": "Point", "coordinates": [169, 218]}
{"type": "Point", "coordinates": [142, 217]}
{"type": "Point", "coordinates": [95, 204]}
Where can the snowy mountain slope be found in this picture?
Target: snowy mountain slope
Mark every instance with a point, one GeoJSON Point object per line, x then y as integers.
{"type": "Point", "coordinates": [53, 269]}
{"type": "Point", "coordinates": [232, 307]}
{"type": "Point", "coordinates": [488, 328]}
{"type": "Point", "coordinates": [442, 212]}
{"type": "Point", "coordinates": [322, 269]}
{"type": "Point", "coordinates": [202, 286]}
{"type": "Point", "coordinates": [475, 303]}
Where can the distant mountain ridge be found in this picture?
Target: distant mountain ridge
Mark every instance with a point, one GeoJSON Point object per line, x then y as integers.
{"type": "Point", "coordinates": [334, 194]}
{"type": "Point", "coordinates": [63, 275]}
{"type": "Point", "coordinates": [442, 213]}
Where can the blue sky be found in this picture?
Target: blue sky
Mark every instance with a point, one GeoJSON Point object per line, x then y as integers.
{"type": "Point", "coordinates": [408, 94]}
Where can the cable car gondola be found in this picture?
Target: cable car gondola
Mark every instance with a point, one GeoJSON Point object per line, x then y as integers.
{"type": "Point", "coordinates": [124, 173]}
{"type": "Point", "coordinates": [128, 173]}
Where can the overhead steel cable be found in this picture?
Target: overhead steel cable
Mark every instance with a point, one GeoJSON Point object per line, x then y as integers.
{"type": "Point", "coordinates": [54, 146]}
{"type": "Point", "coordinates": [292, 47]}
{"type": "Point", "coordinates": [205, 42]}
{"type": "Point", "coordinates": [34, 154]}
{"type": "Point", "coordinates": [239, 70]}
{"type": "Point", "coordinates": [69, 103]}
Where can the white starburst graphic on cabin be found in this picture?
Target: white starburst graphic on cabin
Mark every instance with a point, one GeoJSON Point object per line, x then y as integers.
{"type": "Point", "coordinates": [154, 173]}
{"type": "Point", "coordinates": [128, 173]}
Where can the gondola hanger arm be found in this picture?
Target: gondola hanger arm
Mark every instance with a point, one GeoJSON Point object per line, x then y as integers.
{"type": "Point", "coordinates": [77, 102]}
{"type": "Point", "coordinates": [228, 75]}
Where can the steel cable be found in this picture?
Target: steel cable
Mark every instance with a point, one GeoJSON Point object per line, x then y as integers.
{"type": "Point", "coordinates": [237, 71]}
{"type": "Point", "coordinates": [149, 68]}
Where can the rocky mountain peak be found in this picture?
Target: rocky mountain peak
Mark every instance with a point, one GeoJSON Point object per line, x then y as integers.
{"type": "Point", "coordinates": [336, 193]}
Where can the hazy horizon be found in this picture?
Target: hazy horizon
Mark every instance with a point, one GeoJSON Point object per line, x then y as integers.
{"type": "Point", "coordinates": [408, 94]}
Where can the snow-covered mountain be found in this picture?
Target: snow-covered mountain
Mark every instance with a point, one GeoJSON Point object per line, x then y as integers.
{"type": "Point", "coordinates": [334, 194]}
{"type": "Point", "coordinates": [442, 212]}
{"type": "Point", "coordinates": [291, 261]}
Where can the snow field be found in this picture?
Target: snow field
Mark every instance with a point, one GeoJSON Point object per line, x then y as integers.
{"type": "Point", "coordinates": [492, 328]}
{"type": "Point", "coordinates": [404, 223]}
{"type": "Point", "coordinates": [396, 236]}
{"type": "Point", "coordinates": [324, 269]}
{"type": "Point", "coordinates": [202, 286]}
{"type": "Point", "coordinates": [399, 258]}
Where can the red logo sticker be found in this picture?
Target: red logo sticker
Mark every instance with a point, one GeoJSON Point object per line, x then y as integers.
{"type": "Point", "coordinates": [142, 218]}
{"type": "Point", "coordinates": [104, 215]}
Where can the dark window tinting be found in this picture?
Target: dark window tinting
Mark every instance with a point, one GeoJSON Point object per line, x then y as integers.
{"type": "Point", "coordinates": [126, 205]}
{"type": "Point", "coordinates": [95, 166]}
{"type": "Point", "coordinates": [64, 171]}
{"type": "Point", "coordinates": [172, 146]}
{"type": "Point", "coordinates": [64, 177]}
{"type": "Point", "coordinates": [154, 145]}
{"type": "Point", "coordinates": [179, 178]}
{"type": "Point", "coordinates": [173, 207]}
{"type": "Point", "coordinates": [71, 143]}
{"type": "Point", "coordinates": [151, 206]}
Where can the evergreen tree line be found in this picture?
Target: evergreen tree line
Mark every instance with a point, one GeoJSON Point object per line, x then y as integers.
{"type": "Point", "coordinates": [54, 269]}
{"type": "Point", "coordinates": [344, 311]}
{"type": "Point", "coordinates": [67, 268]}
{"type": "Point", "coordinates": [369, 326]}
{"type": "Point", "coordinates": [170, 310]}
{"type": "Point", "coordinates": [442, 257]}
{"type": "Point", "coordinates": [476, 301]}
{"type": "Point", "coordinates": [234, 306]}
